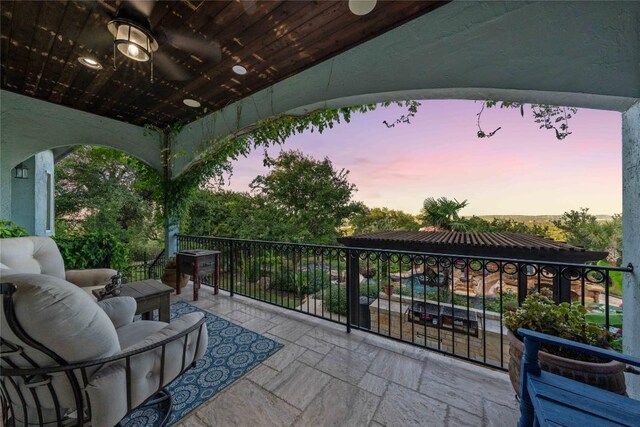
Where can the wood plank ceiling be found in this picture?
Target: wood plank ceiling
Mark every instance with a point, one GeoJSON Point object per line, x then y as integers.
{"type": "Point", "coordinates": [41, 42]}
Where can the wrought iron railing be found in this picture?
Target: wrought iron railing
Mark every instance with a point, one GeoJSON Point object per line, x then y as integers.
{"type": "Point", "coordinates": [145, 269]}
{"type": "Point", "coordinates": [447, 303]}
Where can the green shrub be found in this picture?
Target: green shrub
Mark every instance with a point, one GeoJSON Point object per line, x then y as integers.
{"type": "Point", "coordinates": [335, 299]}
{"type": "Point", "coordinates": [93, 250]}
{"type": "Point", "coordinates": [509, 302]}
{"type": "Point", "coordinates": [11, 229]}
{"type": "Point", "coordinates": [302, 283]}
{"type": "Point", "coordinates": [445, 297]}
{"type": "Point", "coordinates": [370, 288]}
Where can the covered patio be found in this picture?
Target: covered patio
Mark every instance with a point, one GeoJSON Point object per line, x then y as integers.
{"type": "Point", "coordinates": [224, 71]}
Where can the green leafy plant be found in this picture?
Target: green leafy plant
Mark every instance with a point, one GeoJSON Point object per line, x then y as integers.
{"type": "Point", "coordinates": [93, 250]}
{"type": "Point", "coordinates": [334, 298]}
{"type": "Point", "coordinates": [11, 229]}
{"type": "Point", "coordinates": [541, 314]}
{"type": "Point", "coordinates": [509, 302]}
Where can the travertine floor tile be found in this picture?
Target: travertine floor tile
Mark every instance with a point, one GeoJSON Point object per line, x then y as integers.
{"type": "Point", "coordinates": [290, 330]}
{"type": "Point", "coordinates": [247, 404]}
{"type": "Point", "coordinates": [498, 415]}
{"type": "Point", "coordinates": [259, 325]}
{"type": "Point", "coordinates": [340, 404]}
{"type": "Point", "coordinates": [191, 421]}
{"type": "Point", "coordinates": [261, 374]}
{"type": "Point", "coordinates": [401, 406]}
{"type": "Point", "coordinates": [335, 337]}
{"type": "Point", "coordinates": [345, 364]}
{"type": "Point", "coordinates": [298, 384]}
{"type": "Point", "coordinates": [373, 384]}
{"type": "Point", "coordinates": [284, 357]}
{"type": "Point", "coordinates": [310, 358]}
{"type": "Point", "coordinates": [397, 368]}
{"type": "Point", "coordinates": [315, 344]}
{"type": "Point", "coordinates": [459, 418]}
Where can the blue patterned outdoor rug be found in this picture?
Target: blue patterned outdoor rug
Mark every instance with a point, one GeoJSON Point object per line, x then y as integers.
{"type": "Point", "coordinates": [232, 351]}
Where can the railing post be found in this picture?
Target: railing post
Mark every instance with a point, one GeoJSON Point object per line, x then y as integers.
{"type": "Point", "coordinates": [232, 276]}
{"type": "Point", "coordinates": [353, 288]}
{"type": "Point", "coordinates": [561, 287]}
{"type": "Point", "coordinates": [522, 284]}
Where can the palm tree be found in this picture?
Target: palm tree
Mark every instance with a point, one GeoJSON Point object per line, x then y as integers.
{"type": "Point", "coordinates": [443, 213]}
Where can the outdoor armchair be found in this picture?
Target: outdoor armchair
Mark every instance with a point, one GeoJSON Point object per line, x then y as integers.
{"type": "Point", "coordinates": [40, 255]}
{"type": "Point", "coordinates": [66, 359]}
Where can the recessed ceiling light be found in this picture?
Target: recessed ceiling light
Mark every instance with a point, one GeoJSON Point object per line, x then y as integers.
{"type": "Point", "coordinates": [239, 69]}
{"type": "Point", "coordinates": [361, 7]}
{"type": "Point", "coordinates": [191, 103]}
{"type": "Point", "coordinates": [90, 62]}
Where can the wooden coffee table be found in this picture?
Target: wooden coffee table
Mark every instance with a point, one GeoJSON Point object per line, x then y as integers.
{"type": "Point", "coordinates": [150, 295]}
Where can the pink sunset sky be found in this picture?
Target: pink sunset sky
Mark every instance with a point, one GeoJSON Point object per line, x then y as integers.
{"type": "Point", "coordinates": [522, 170]}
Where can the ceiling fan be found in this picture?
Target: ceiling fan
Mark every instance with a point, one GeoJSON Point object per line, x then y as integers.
{"type": "Point", "coordinates": [134, 37]}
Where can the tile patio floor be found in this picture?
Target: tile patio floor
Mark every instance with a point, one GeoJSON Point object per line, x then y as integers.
{"type": "Point", "coordinates": [326, 377]}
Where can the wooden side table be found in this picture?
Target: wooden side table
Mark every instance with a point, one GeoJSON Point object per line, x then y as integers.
{"type": "Point", "coordinates": [150, 295]}
{"type": "Point", "coordinates": [197, 263]}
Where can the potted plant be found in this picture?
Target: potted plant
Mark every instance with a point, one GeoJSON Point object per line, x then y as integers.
{"type": "Point", "coordinates": [541, 314]}
{"type": "Point", "coordinates": [169, 275]}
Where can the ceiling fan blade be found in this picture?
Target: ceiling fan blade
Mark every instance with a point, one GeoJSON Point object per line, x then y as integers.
{"type": "Point", "coordinates": [170, 69]}
{"type": "Point", "coordinates": [205, 50]}
{"type": "Point", "coordinates": [143, 6]}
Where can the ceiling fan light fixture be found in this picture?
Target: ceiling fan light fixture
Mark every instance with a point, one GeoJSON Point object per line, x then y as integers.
{"type": "Point", "coordinates": [239, 69]}
{"type": "Point", "coordinates": [133, 40]}
{"type": "Point", "coordinates": [89, 62]}
{"type": "Point", "coordinates": [191, 103]}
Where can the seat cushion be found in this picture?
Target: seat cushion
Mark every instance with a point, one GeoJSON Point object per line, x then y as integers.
{"type": "Point", "coordinates": [61, 317]}
{"type": "Point", "coordinates": [135, 332]}
{"type": "Point", "coordinates": [33, 254]}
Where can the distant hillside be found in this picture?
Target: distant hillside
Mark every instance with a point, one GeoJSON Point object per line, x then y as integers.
{"type": "Point", "coordinates": [534, 219]}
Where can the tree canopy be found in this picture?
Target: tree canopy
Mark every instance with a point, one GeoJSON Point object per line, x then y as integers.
{"type": "Point", "coordinates": [443, 213]}
{"type": "Point", "coordinates": [102, 190]}
{"type": "Point", "coordinates": [382, 219]}
{"type": "Point", "coordinates": [583, 229]}
{"type": "Point", "coordinates": [300, 199]}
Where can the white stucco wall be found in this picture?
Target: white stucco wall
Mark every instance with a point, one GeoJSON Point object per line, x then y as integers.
{"type": "Point", "coordinates": [30, 126]}
{"type": "Point", "coordinates": [631, 236]}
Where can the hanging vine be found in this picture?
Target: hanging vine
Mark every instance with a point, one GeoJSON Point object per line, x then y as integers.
{"type": "Point", "coordinates": [549, 117]}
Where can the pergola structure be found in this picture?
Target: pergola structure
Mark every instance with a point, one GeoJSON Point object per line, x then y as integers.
{"type": "Point", "coordinates": [484, 245]}
{"type": "Point", "coordinates": [300, 57]}
{"type": "Point", "coordinates": [477, 244]}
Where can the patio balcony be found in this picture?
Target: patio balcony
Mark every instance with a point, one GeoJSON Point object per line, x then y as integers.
{"type": "Point", "coordinates": [433, 352]}
{"type": "Point", "coordinates": [325, 376]}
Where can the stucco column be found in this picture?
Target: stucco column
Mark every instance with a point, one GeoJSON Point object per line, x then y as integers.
{"type": "Point", "coordinates": [631, 237]}
{"type": "Point", "coordinates": [171, 231]}
{"type": "Point", "coordinates": [5, 190]}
